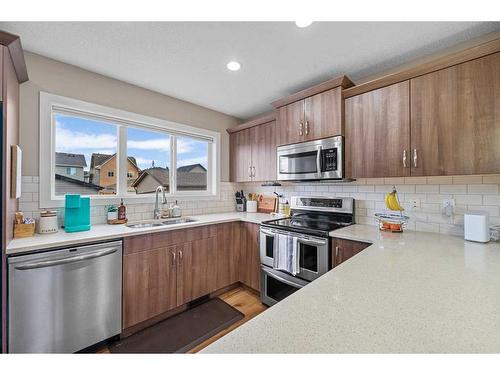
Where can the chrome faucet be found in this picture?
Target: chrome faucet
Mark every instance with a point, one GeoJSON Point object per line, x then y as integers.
{"type": "Point", "coordinates": [157, 212]}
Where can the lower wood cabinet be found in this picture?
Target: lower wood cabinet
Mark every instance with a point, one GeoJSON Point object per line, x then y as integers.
{"type": "Point", "coordinates": [342, 250]}
{"type": "Point", "coordinates": [250, 256]}
{"type": "Point", "coordinates": [164, 270]}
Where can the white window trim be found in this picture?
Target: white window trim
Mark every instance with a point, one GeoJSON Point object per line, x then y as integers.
{"type": "Point", "coordinates": [49, 102]}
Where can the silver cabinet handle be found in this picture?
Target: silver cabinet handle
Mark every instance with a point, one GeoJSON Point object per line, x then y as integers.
{"type": "Point", "coordinates": [404, 159]}
{"type": "Point", "coordinates": [336, 255]}
{"type": "Point", "coordinates": [253, 173]}
{"type": "Point", "coordinates": [250, 171]}
{"type": "Point", "coordinates": [56, 262]}
{"type": "Point", "coordinates": [180, 257]}
{"type": "Point", "coordinates": [301, 129]}
{"type": "Point", "coordinates": [415, 157]}
{"type": "Point", "coordinates": [307, 127]}
{"type": "Point", "coordinates": [173, 258]}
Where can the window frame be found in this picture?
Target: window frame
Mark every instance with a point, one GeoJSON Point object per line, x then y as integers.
{"type": "Point", "coordinates": [51, 104]}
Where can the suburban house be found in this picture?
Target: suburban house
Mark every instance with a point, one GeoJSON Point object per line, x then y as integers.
{"type": "Point", "coordinates": [70, 165]}
{"type": "Point", "coordinates": [103, 171]}
{"type": "Point", "coordinates": [70, 175]}
{"type": "Point", "coordinates": [189, 177]}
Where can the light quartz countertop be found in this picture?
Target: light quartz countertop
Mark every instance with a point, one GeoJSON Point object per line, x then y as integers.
{"type": "Point", "coordinates": [103, 232]}
{"type": "Point", "coordinates": [413, 292]}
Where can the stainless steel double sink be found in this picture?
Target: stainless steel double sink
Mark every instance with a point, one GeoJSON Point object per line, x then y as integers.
{"type": "Point", "coordinates": [160, 223]}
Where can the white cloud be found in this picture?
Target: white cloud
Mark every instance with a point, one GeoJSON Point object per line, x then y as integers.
{"type": "Point", "coordinates": [150, 144]}
{"type": "Point", "coordinates": [69, 140]}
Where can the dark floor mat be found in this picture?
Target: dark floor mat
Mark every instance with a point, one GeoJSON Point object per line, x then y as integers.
{"type": "Point", "coordinates": [182, 332]}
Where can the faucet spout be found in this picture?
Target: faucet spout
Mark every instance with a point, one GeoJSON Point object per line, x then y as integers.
{"type": "Point", "coordinates": [156, 212]}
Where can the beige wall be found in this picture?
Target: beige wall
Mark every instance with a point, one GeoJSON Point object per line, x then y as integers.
{"type": "Point", "coordinates": [59, 78]}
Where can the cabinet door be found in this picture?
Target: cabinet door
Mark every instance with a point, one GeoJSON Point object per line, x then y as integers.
{"type": "Point", "coordinates": [149, 284]}
{"type": "Point", "coordinates": [455, 119]}
{"type": "Point", "coordinates": [196, 269]}
{"type": "Point", "coordinates": [342, 250]}
{"type": "Point", "coordinates": [250, 256]}
{"type": "Point", "coordinates": [240, 156]}
{"type": "Point", "coordinates": [324, 115]}
{"type": "Point", "coordinates": [228, 254]}
{"type": "Point", "coordinates": [378, 132]}
{"type": "Point", "coordinates": [264, 151]}
{"type": "Point", "coordinates": [290, 118]}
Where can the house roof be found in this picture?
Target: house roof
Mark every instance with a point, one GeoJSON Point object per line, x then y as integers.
{"type": "Point", "coordinates": [158, 173]}
{"type": "Point", "coordinates": [185, 178]}
{"type": "Point", "coordinates": [71, 160]}
{"type": "Point", "coordinates": [189, 168]}
{"type": "Point", "coordinates": [78, 182]}
{"type": "Point", "coordinates": [99, 159]}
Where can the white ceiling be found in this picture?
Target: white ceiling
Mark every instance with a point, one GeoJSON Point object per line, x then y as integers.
{"type": "Point", "coordinates": [188, 60]}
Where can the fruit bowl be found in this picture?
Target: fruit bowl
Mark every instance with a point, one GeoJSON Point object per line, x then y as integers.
{"type": "Point", "coordinates": [391, 222]}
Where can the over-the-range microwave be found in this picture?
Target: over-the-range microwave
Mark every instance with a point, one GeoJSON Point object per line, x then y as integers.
{"type": "Point", "coordinates": [315, 160]}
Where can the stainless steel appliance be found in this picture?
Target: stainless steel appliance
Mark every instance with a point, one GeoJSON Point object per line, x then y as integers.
{"type": "Point", "coordinates": [65, 300]}
{"type": "Point", "coordinates": [311, 221]}
{"type": "Point", "coordinates": [316, 160]}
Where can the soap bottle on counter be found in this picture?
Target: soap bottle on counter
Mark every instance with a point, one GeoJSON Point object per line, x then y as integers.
{"type": "Point", "coordinates": [122, 211]}
{"type": "Point", "coordinates": [176, 210]}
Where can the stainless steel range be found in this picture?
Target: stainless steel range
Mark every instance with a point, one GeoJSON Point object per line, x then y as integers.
{"type": "Point", "coordinates": [296, 250]}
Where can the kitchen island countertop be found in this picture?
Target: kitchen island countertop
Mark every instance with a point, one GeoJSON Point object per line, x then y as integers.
{"type": "Point", "coordinates": [413, 292]}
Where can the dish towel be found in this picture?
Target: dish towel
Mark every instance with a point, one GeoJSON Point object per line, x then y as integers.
{"type": "Point", "coordinates": [280, 255]}
{"type": "Point", "coordinates": [286, 254]}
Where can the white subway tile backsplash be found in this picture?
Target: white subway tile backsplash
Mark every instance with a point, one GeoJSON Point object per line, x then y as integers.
{"type": "Point", "coordinates": [469, 194]}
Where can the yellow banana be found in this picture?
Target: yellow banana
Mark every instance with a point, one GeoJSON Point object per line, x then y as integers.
{"type": "Point", "coordinates": [392, 201]}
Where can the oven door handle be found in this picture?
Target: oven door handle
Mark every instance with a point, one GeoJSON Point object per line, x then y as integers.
{"type": "Point", "coordinates": [267, 233]}
{"type": "Point", "coordinates": [283, 280]}
{"type": "Point", "coordinates": [311, 242]}
{"type": "Point", "coordinates": [318, 159]}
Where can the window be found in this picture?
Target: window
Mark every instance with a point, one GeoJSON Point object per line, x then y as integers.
{"type": "Point", "coordinates": [86, 146]}
{"type": "Point", "coordinates": [108, 153]}
{"type": "Point", "coordinates": [71, 171]}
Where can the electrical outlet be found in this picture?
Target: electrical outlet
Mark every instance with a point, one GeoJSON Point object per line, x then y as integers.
{"type": "Point", "coordinates": [448, 207]}
{"type": "Point", "coordinates": [415, 203]}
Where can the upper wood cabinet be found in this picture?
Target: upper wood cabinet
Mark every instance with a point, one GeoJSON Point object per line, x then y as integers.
{"type": "Point", "coordinates": [314, 113]}
{"type": "Point", "coordinates": [455, 119]}
{"type": "Point", "coordinates": [378, 132]}
{"type": "Point", "coordinates": [253, 152]}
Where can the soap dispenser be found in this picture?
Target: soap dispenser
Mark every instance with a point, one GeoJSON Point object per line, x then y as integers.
{"type": "Point", "coordinates": [176, 210]}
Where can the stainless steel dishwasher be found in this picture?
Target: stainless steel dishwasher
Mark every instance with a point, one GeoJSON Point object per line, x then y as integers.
{"type": "Point", "coordinates": [65, 300]}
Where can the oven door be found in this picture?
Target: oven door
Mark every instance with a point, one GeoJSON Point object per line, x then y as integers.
{"type": "Point", "coordinates": [315, 160]}
{"type": "Point", "coordinates": [277, 285]}
{"type": "Point", "coordinates": [312, 252]}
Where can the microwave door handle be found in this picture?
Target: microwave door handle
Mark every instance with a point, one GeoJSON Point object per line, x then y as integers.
{"type": "Point", "coordinates": [267, 233]}
{"type": "Point", "coordinates": [318, 159]}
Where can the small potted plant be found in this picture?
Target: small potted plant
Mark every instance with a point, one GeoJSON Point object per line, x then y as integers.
{"type": "Point", "coordinates": [112, 212]}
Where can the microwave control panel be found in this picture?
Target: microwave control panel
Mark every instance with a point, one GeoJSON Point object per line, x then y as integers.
{"type": "Point", "coordinates": [329, 160]}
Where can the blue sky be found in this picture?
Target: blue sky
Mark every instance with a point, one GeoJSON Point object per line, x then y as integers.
{"type": "Point", "coordinates": [82, 136]}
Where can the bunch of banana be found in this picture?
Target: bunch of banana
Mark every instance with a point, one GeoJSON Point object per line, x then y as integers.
{"type": "Point", "coordinates": [392, 201]}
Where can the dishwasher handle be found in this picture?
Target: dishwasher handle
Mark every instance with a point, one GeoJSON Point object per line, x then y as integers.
{"type": "Point", "coordinates": [56, 262]}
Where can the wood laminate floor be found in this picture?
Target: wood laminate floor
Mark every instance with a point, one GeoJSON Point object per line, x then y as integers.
{"type": "Point", "coordinates": [246, 301]}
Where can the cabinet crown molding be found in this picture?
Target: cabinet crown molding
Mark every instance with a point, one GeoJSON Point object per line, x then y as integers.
{"type": "Point", "coordinates": [13, 44]}
{"type": "Point", "coordinates": [255, 122]}
{"type": "Point", "coordinates": [342, 81]}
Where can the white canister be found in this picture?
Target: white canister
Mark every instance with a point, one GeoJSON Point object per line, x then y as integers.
{"type": "Point", "coordinates": [477, 226]}
{"type": "Point", "coordinates": [251, 206]}
{"type": "Point", "coordinates": [48, 222]}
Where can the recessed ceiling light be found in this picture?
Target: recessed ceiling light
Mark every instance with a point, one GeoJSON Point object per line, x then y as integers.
{"type": "Point", "coordinates": [303, 23]}
{"type": "Point", "coordinates": [233, 65]}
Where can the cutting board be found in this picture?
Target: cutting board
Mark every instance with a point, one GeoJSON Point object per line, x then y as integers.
{"type": "Point", "coordinates": [266, 205]}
